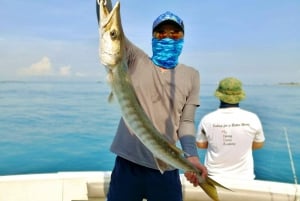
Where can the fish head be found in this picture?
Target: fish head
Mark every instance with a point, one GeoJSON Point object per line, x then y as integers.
{"type": "Point", "coordinates": [112, 41]}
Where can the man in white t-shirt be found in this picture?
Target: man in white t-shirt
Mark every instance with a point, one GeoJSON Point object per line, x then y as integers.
{"type": "Point", "coordinates": [230, 134]}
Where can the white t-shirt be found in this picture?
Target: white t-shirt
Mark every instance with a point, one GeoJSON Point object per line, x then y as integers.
{"type": "Point", "coordinates": [230, 133]}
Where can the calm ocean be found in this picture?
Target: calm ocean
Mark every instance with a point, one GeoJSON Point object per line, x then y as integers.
{"type": "Point", "coordinates": [50, 127]}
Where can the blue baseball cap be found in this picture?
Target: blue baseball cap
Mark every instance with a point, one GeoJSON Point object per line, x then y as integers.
{"type": "Point", "coordinates": [168, 16]}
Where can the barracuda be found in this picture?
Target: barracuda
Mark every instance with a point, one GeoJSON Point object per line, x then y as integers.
{"type": "Point", "coordinates": [113, 57]}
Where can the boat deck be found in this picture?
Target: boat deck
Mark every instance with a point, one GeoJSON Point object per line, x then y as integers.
{"type": "Point", "coordinates": [93, 186]}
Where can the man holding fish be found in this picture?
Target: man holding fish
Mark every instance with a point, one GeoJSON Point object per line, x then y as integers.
{"type": "Point", "coordinates": [158, 98]}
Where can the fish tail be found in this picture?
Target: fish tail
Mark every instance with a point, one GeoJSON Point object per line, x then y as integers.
{"type": "Point", "coordinates": [209, 187]}
{"type": "Point", "coordinates": [213, 182]}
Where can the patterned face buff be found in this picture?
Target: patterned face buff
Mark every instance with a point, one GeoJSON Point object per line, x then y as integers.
{"type": "Point", "coordinates": [166, 52]}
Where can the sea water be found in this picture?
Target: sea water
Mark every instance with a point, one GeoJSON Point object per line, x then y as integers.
{"type": "Point", "coordinates": [48, 127]}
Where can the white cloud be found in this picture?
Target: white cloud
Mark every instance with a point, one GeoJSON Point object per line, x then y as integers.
{"type": "Point", "coordinates": [40, 68]}
{"type": "Point", "coordinates": [65, 71]}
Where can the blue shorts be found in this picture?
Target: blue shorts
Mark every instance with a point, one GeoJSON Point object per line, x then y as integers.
{"type": "Point", "coordinates": [133, 182]}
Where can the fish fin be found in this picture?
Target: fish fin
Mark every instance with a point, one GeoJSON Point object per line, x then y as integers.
{"type": "Point", "coordinates": [161, 165]}
{"type": "Point", "coordinates": [111, 97]}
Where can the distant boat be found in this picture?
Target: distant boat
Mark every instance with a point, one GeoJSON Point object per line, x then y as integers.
{"type": "Point", "coordinates": [93, 186]}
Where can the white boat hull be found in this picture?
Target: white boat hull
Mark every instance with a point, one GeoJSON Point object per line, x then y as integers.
{"type": "Point", "coordinates": [93, 186]}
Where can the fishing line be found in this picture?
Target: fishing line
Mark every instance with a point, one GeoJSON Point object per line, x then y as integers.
{"type": "Point", "coordinates": [292, 162]}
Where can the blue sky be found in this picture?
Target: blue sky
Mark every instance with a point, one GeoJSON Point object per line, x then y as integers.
{"type": "Point", "coordinates": [257, 41]}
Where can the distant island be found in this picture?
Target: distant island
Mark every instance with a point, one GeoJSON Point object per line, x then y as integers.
{"type": "Point", "coordinates": [11, 81]}
{"type": "Point", "coordinates": [290, 83]}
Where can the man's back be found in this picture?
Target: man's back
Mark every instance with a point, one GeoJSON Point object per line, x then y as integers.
{"type": "Point", "coordinates": [230, 133]}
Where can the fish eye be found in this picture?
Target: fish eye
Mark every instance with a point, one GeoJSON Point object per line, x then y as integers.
{"type": "Point", "coordinates": [113, 34]}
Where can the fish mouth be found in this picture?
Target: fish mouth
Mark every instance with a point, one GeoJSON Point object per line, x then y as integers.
{"type": "Point", "coordinates": [108, 15]}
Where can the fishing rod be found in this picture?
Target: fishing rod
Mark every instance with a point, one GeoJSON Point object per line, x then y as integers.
{"type": "Point", "coordinates": [292, 163]}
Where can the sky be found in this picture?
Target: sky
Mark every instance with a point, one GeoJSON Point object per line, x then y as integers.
{"type": "Point", "coordinates": [257, 41]}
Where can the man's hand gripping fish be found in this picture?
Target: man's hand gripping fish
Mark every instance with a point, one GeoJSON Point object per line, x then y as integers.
{"type": "Point", "coordinates": [113, 57]}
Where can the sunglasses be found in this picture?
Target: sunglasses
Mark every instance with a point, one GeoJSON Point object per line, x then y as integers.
{"type": "Point", "coordinates": [174, 34]}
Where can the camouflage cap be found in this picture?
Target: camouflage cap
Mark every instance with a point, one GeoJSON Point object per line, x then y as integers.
{"type": "Point", "coordinates": [230, 90]}
{"type": "Point", "coordinates": [168, 16]}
